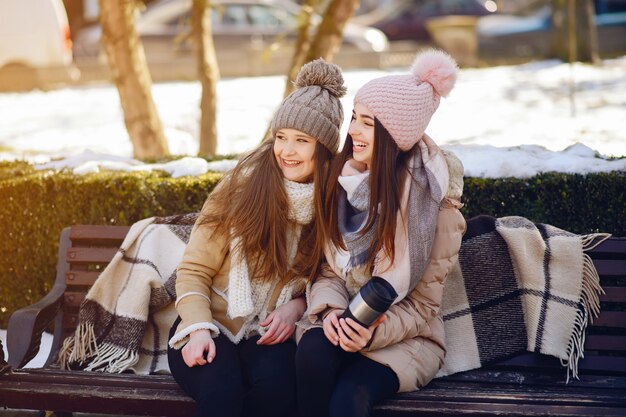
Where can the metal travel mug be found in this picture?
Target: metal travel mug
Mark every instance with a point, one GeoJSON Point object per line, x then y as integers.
{"type": "Point", "coordinates": [372, 300]}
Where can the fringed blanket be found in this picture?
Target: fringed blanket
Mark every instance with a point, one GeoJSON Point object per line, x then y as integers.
{"type": "Point", "coordinates": [517, 286]}
{"type": "Point", "coordinates": [125, 319]}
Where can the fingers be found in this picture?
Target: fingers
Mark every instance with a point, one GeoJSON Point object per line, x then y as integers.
{"type": "Point", "coordinates": [212, 351]}
{"type": "Point", "coordinates": [271, 334]}
{"type": "Point", "coordinates": [330, 325]}
{"type": "Point", "coordinates": [377, 322]}
{"type": "Point", "coordinates": [193, 354]}
{"type": "Point", "coordinates": [353, 336]}
{"type": "Point", "coordinates": [284, 335]}
{"type": "Point", "coordinates": [267, 320]}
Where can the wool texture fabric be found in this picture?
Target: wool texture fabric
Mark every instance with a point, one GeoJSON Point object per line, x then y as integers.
{"type": "Point", "coordinates": [124, 321]}
{"type": "Point", "coordinates": [424, 189]}
{"type": "Point", "coordinates": [314, 107]}
{"type": "Point", "coordinates": [404, 104]}
{"type": "Point", "coordinates": [246, 297]}
{"type": "Point", "coordinates": [519, 286]}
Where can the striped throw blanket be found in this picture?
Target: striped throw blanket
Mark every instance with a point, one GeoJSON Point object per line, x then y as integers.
{"type": "Point", "coordinates": [517, 286]}
{"type": "Point", "coordinates": [125, 319]}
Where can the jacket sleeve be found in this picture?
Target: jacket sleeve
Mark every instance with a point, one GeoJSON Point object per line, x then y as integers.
{"type": "Point", "coordinates": [202, 260]}
{"type": "Point", "coordinates": [408, 318]}
{"type": "Point", "coordinates": [328, 292]}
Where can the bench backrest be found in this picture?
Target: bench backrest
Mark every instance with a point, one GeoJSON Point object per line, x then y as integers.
{"type": "Point", "coordinates": [90, 248]}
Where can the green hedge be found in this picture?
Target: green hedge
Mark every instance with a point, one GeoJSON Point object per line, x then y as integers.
{"type": "Point", "coordinates": [37, 205]}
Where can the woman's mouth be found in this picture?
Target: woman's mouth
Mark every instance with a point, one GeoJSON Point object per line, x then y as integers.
{"type": "Point", "coordinates": [358, 146]}
{"type": "Point", "coordinates": [290, 163]}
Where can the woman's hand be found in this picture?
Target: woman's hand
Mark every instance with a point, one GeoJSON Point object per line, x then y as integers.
{"type": "Point", "coordinates": [352, 336]}
{"type": "Point", "coordinates": [330, 326]}
{"type": "Point", "coordinates": [200, 342]}
{"type": "Point", "coordinates": [282, 322]}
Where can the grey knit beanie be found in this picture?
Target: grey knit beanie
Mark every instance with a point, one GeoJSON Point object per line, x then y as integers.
{"type": "Point", "coordinates": [314, 107]}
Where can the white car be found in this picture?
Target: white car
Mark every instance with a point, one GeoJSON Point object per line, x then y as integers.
{"type": "Point", "coordinates": [252, 37]}
{"type": "Point", "coordinates": [35, 44]}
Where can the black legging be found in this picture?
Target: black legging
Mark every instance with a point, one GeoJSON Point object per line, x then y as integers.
{"type": "Point", "coordinates": [335, 383]}
{"type": "Point", "coordinates": [244, 379]}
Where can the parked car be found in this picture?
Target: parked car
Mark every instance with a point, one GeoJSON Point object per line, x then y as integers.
{"type": "Point", "coordinates": [251, 37]}
{"type": "Point", "coordinates": [527, 33]}
{"type": "Point", "coordinates": [406, 20]}
{"type": "Point", "coordinates": [35, 44]}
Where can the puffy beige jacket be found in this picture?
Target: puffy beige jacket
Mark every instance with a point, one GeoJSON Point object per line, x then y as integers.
{"type": "Point", "coordinates": [202, 286]}
{"type": "Point", "coordinates": [411, 340]}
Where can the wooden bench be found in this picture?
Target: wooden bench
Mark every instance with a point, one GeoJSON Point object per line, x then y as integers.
{"type": "Point", "coordinates": [528, 385]}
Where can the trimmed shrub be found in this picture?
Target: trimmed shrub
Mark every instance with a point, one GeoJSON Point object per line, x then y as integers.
{"type": "Point", "coordinates": [577, 203]}
{"type": "Point", "coordinates": [37, 205]}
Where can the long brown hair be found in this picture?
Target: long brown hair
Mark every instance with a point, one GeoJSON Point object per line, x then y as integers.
{"type": "Point", "coordinates": [251, 203]}
{"type": "Point", "coordinates": [388, 172]}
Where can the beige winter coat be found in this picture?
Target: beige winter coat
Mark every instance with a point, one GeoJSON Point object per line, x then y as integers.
{"type": "Point", "coordinates": [411, 340]}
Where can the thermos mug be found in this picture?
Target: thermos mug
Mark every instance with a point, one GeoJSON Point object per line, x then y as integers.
{"type": "Point", "coordinates": [372, 300]}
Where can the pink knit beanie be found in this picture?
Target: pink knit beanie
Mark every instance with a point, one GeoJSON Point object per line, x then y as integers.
{"type": "Point", "coordinates": [404, 104]}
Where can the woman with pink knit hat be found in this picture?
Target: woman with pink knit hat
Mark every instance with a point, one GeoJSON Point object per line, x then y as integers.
{"type": "Point", "coordinates": [393, 225]}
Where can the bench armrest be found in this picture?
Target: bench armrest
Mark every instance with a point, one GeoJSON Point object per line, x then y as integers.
{"type": "Point", "coordinates": [27, 324]}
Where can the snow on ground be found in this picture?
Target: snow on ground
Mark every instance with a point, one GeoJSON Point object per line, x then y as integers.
{"type": "Point", "coordinates": [40, 359]}
{"type": "Point", "coordinates": [501, 121]}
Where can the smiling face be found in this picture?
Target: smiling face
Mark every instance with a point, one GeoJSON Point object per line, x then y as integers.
{"type": "Point", "coordinates": [295, 154]}
{"type": "Point", "coordinates": [361, 131]}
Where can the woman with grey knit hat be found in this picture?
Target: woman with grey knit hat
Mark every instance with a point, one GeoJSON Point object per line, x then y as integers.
{"type": "Point", "coordinates": [256, 245]}
{"type": "Point", "coordinates": [394, 225]}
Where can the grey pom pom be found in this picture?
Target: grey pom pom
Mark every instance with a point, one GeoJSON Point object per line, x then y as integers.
{"type": "Point", "coordinates": [324, 74]}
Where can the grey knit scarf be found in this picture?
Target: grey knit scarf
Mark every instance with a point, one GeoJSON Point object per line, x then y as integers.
{"type": "Point", "coordinates": [427, 183]}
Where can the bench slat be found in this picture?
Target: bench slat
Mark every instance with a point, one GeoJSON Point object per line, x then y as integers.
{"type": "Point", "coordinates": [75, 277]}
{"type": "Point", "coordinates": [614, 294]}
{"type": "Point", "coordinates": [610, 267]}
{"type": "Point", "coordinates": [73, 298]}
{"type": "Point", "coordinates": [588, 363]}
{"type": "Point", "coordinates": [611, 319]}
{"type": "Point", "coordinates": [90, 234]}
{"type": "Point", "coordinates": [90, 255]}
{"type": "Point", "coordinates": [479, 409]}
{"type": "Point", "coordinates": [611, 246]}
{"type": "Point", "coordinates": [602, 342]}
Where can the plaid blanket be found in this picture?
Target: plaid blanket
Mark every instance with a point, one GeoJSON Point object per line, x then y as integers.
{"type": "Point", "coordinates": [519, 286]}
{"type": "Point", "coordinates": [125, 319]}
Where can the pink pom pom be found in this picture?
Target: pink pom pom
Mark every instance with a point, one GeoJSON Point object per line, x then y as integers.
{"type": "Point", "coordinates": [436, 68]}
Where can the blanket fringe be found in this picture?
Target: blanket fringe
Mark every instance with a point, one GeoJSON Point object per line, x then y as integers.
{"type": "Point", "coordinates": [79, 347]}
{"type": "Point", "coordinates": [589, 307]}
{"type": "Point", "coordinates": [113, 359]}
{"type": "Point", "coordinates": [82, 349]}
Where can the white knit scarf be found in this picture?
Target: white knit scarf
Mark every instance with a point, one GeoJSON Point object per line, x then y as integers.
{"type": "Point", "coordinates": [248, 298]}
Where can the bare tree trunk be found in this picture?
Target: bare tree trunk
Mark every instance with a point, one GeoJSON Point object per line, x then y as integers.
{"type": "Point", "coordinates": [575, 30]}
{"type": "Point", "coordinates": [330, 31]}
{"type": "Point", "coordinates": [326, 42]}
{"type": "Point", "coordinates": [303, 43]}
{"type": "Point", "coordinates": [208, 74]}
{"type": "Point", "coordinates": [127, 62]}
